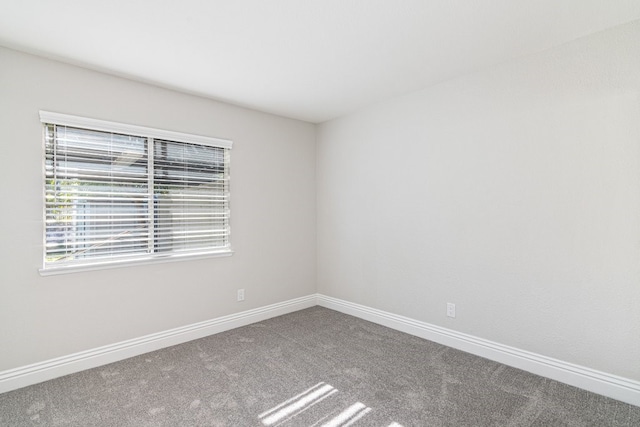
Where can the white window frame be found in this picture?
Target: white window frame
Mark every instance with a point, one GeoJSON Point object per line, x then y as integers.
{"type": "Point", "coordinates": [47, 118]}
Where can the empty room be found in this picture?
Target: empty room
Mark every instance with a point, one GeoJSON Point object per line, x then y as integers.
{"type": "Point", "coordinates": [320, 213]}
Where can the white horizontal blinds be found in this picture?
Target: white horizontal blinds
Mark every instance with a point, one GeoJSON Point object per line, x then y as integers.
{"type": "Point", "coordinates": [191, 197]}
{"type": "Point", "coordinates": [96, 203]}
{"type": "Point", "coordinates": [118, 192]}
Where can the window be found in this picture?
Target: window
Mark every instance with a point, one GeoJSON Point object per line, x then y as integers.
{"type": "Point", "coordinates": [119, 193]}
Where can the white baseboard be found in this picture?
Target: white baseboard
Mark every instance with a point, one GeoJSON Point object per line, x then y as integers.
{"type": "Point", "coordinates": [38, 372]}
{"type": "Point", "coordinates": [613, 386]}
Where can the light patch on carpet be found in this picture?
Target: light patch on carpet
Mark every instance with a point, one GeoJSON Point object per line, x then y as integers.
{"type": "Point", "coordinates": [156, 411]}
{"type": "Point", "coordinates": [36, 407]}
{"type": "Point", "coordinates": [107, 374]}
{"type": "Point", "coordinates": [297, 404]}
{"type": "Point", "coordinates": [349, 416]}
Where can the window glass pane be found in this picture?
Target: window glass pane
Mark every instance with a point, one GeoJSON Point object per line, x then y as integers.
{"type": "Point", "coordinates": [96, 194]}
{"type": "Point", "coordinates": [191, 196]}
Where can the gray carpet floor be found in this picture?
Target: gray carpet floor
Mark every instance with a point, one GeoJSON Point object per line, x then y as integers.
{"type": "Point", "coordinates": [314, 367]}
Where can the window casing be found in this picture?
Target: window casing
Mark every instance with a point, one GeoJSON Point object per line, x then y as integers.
{"type": "Point", "coordinates": [117, 193]}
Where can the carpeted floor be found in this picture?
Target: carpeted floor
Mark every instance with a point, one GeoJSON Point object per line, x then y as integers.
{"type": "Point", "coordinates": [315, 367]}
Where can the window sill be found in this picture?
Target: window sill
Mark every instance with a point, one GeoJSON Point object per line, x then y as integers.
{"type": "Point", "coordinates": [51, 271]}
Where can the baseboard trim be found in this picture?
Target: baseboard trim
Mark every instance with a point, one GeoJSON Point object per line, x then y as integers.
{"type": "Point", "coordinates": [623, 389]}
{"type": "Point", "coordinates": [619, 388]}
{"type": "Point", "coordinates": [38, 372]}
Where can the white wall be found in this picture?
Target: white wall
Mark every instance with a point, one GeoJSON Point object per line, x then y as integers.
{"type": "Point", "coordinates": [272, 202]}
{"type": "Point", "coordinates": [513, 192]}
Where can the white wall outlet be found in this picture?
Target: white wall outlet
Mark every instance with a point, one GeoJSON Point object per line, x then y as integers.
{"type": "Point", "coordinates": [451, 309]}
{"type": "Point", "coordinates": [240, 294]}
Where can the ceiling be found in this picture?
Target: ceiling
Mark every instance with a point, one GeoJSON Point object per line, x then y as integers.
{"type": "Point", "coordinates": [312, 60]}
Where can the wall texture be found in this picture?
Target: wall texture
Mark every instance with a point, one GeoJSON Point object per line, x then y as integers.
{"type": "Point", "coordinates": [513, 192]}
{"type": "Point", "coordinates": [272, 202]}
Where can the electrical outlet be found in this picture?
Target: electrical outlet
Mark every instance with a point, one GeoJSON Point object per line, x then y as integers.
{"type": "Point", "coordinates": [240, 294]}
{"type": "Point", "coordinates": [451, 309]}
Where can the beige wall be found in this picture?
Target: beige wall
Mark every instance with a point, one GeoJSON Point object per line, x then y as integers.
{"type": "Point", "coordinates": [272, 202]}
{"type": "Point", "coordinates": [513, 192]}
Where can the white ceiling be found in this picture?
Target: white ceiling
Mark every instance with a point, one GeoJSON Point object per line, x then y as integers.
{"type": "Point", "coordinates": [308, 59]}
